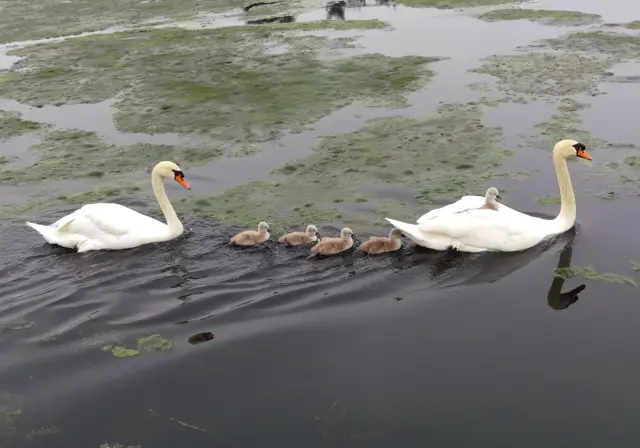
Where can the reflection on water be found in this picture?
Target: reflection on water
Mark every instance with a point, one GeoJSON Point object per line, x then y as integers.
{"type": "Point", "coordinates": [557, 299]}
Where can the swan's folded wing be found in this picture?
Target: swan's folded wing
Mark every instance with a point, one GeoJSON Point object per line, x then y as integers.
{"type": "Point", "coordinates": [464, 203]}
{"type": "Point", "coordinates": [488, 230]}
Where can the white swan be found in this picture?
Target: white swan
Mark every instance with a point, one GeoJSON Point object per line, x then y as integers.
{"type": "Point", "coordinates": [480, 229]}
{"type": "Point", "coordinates": [114, 226]}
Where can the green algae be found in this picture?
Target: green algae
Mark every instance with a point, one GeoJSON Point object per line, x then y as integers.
{"type": "Point", "coordinates": [565, 123]}
{"type": "Point", "coordinates": [11, 125]}
{"type": "Point", "coordinates": [120, 352]}
{"type": "Point", "coordinates": [616, 46]}
{"type": "Point", "coordinates": [589, 273]}
{"type": "Point", "coordinates": [34, 434]}
{"type": "Point", "coordinates": [633, 162]}
{"type": "Point", "coordinates": [221, 82]}
{"type": "Point", "coordinates": [144, 344]}
{"type": "Point", "coordinates": [76, 154]}
{"type": "Point", "coordinates": [543, 16]}
{"type": "Point", "coordinates": [635, 265]}
{"type": "Point", "coordinates": [548, 200]}
{"type": "Point", "coordinates": [428, 158]}
{"type": "Point", "coordinates": [26, 20]}
{"type": "Point", "coordinates": [153, 343]}
{"type": "Point", "coordinates": [10, 411]}
{"type": "Point", "coordinates": [450, 4]}
{"type": "Point", "coordinates": [635, 25]}
{"type": "Point", "coordinates": [535, 76]}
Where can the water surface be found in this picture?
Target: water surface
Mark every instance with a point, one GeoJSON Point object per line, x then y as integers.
{"type": "Point", "coordinates": [413, 349]}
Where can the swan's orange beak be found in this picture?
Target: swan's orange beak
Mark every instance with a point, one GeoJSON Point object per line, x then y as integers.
{"type": "Point", "coordinates": [182, 182]}
{"type": "Point", "coordinates": [583, 154]}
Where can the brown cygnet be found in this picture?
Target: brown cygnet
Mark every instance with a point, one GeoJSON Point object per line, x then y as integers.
{"type": "Point", "coordinates": [332, 246]}
{"type": "Point", "coordinates": [491, 199]}
{"type": "Point", "coordinates": [297, 238]}
{"type": "Point", "coordinates": [252, 237]}
{"type": "Point", "coordinates": [380, 244]}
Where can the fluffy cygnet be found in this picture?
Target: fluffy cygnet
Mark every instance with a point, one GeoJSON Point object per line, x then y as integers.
{"type": "Point", "coordinates": [380, 244]}
{"type": "Point", "coordinates": [297, 238]}
{"type": "Point", "coordinates": [252, 237]}
{"type": "Point", "coordinates": [491, 199]}
{"type": "Point", "coordinates": [332, 246]}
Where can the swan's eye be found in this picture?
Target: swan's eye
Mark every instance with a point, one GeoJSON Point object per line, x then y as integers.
{"type": "Point", "coordinates": [178, 176]}
{"type": "Point", "coordinates": [579, 147]}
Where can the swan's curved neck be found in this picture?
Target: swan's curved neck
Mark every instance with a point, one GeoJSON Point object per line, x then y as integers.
{"type": "Point", "coordinates": [173, 222]}
{"type": "Point", "coordinates": [567, 216]}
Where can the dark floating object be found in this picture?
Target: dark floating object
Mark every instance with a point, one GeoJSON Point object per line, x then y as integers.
{"type": "Point", "coordinates": [200, 338]}
{"type": "Point", "coordinates": [253, 5]}
{"type": "Point", "coordinates": [275, 19]}
{"type": "Point", "coordinates": [336, 9]}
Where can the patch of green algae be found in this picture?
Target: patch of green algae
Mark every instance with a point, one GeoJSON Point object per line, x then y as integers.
{"type": "Point", "coordinates": [635, 265]}
{"type": "Point", "coordinates": [543, 16]}
{"type": "Point", "coordinates": [450, 4]}
{"type": "Point", "coordinates": [222, 82]}
{"type": "Point", "coordinates": [589, 273]}
{"type": "Point", "coordinates": [11, 125]}
{"type": "Point", "coordinates": [10, 411]}
{"type": "Point", "coordinates": [548, 200]}
{"type": "Point", "coordinates": [74, 154]}
{"type": "Point", "coordinates": [438, 157]}
{"type": "Point", "coordinates": [145, 344]}
{"type": "Point", "coordinates": [535, 76]}
{"type": "Point", "coordinates": [635, 25]}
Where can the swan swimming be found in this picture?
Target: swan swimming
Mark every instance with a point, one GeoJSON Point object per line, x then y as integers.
{"type": "Point", "coordinates": [114, 226]}
{"type": "Point", "coordinates": [508, 230]}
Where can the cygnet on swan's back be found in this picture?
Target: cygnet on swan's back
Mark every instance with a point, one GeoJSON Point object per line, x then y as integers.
{"type": "Point", "coordinates": [297, 238]}
{"type": "Point", "coordinates": [252, 237]}
{"type": "Point", "coordinates": [491, 199]}
{"type": "Point", "coordinates": [332, 246]}
{"type": "Point", "coordinates": [380, 244]}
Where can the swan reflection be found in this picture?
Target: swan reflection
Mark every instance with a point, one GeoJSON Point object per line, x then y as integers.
{"type": "Point", "coordinates": [557, 299]}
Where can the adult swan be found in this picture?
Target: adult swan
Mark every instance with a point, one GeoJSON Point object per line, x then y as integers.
{"type": "Point", "coordinates": [479, 230]}
{"type": "Point", "coordinates": [114, 226]}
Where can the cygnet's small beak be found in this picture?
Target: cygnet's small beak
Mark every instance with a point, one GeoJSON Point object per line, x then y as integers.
{"type": "Point", "coordinates": [499, 198]}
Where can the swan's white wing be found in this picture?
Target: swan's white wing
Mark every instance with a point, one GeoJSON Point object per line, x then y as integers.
{"type": "Point", "coordinates": [490, 230]}
{"type": "Point", "coordinates": [464, 204]}
{"type": "Point", "coordinates": [105, 221]}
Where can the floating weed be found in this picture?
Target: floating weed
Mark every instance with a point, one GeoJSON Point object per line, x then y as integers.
{"type": "Point", "coordinates": [219, 80]}
{"type": "Point", "coordinates": [535, 76]}
{"type": "Point", "coordinates": [181, 423]}
{"type": "Point", "coordinates": [635, 265]}
{"type": "Point", "coordinates": [145, 344]}
{"type": "Point", "coordinates": [450, 4]}
{"type": "Point", "coordinates": [120, 352]}
{"type": "Point", "coordinates": [548, 200]}
{"type": "Point", "coordinates": [42, 432]}
{"type": "Point", "coordinates": [11, 125]}
{"type": "Point", "coordinates": [589, 273]}
{"type": "Point", "coordinates": [544, 16]}
{"type": "Point", "coordinates": [10, 411]}
{"type": "Point", "coordinates": [153, 343]}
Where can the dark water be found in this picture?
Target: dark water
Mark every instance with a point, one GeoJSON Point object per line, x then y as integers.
{"type": "Point", "coordinates": [410, 350]}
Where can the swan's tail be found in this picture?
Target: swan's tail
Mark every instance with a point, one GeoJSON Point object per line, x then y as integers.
{"type": "Point", "coordinates": [47, 232]}
{"type": "Point", "coordinates": [429, 240]}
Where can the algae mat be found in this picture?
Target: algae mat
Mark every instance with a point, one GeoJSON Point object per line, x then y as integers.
{"type": "Point", "coordinates": [543, 16]}
{"type": "Point", "coordinates": [222, 82]}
